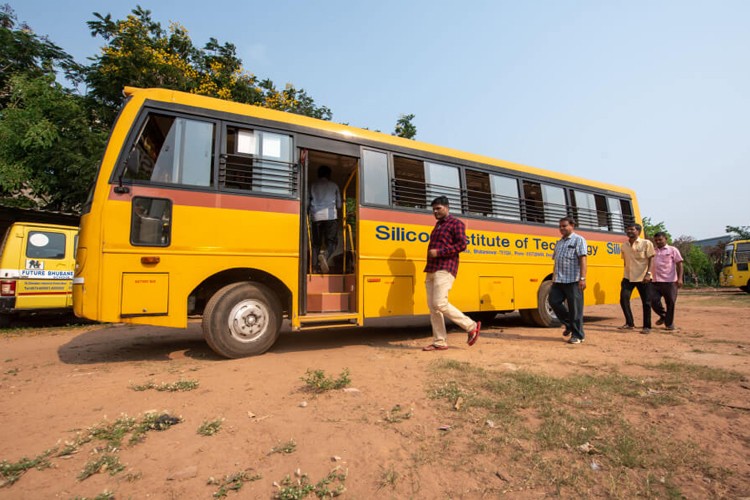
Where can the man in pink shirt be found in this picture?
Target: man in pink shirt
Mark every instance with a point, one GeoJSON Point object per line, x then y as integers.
{"type": "Point", "coordinates": [666, 279]}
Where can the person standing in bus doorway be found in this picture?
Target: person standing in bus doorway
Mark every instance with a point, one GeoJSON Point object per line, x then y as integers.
{"type": "Point", "coordinates": [325, 201]}
{"type": "Point", "coordinates": [569, 280]}
{"type": "Point", "coordinates": [447, 241]}
{"type": "Point", "coordinates": [667, 274]}
{"type": "Point", "coordinates": [637, 254]}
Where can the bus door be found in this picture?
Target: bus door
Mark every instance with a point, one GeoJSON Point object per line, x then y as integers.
{"type": "Point", "coordinates": [329, 249]}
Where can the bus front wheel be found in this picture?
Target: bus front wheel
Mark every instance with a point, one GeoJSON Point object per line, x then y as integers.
{"type": "Point", "coordinates": [242, 319]}
{"type": "Point", "coordinates": [543, 315]}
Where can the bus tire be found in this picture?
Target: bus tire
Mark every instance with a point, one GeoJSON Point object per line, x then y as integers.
{"type": "Point", "coordinates": [747, 287]}
{"type": "Point", "coordinates": [242, 319]}
{"type": "Point", "coordinates": [543, 315]}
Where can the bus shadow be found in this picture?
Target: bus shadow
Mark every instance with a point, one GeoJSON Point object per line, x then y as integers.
{"type": "Point", "coordinates": [127, 343]}
{"type": "Point", "coordinates": [124, 343]}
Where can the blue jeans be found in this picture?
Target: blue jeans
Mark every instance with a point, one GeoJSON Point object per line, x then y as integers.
{"type": "Point", "coordinates": [571, 315]}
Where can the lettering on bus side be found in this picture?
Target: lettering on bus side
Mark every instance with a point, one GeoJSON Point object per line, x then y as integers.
{"type": "Point", "coordinates": [613, 248]}
{"type": "Point", "coordinates": [484, 244]}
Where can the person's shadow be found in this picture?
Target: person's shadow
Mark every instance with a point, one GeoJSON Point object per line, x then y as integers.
{"type": "Point", "coordinates": [400, 300]}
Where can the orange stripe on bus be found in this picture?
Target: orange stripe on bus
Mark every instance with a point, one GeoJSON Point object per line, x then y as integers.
{"type": "Point", "coordinates": [210, 200]}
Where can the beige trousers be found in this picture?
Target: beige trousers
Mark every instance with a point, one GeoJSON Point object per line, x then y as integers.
{"type": "Point", "coordinates": [438, 285]}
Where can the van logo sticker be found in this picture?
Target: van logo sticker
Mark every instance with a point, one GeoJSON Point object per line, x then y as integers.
{"type": "Point", "coordinates": [34, 264]}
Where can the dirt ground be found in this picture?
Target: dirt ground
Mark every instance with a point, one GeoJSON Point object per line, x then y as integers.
{"type": "Point", "coordinates": [57, 383]}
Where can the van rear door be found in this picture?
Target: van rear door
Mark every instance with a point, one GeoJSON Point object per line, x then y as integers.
{"type": "Point", "coordinates": [46, 268]}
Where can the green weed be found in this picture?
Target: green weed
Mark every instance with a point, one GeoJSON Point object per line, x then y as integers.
{"type": "Point", "coordinates": [179, 386]}
{"type": "Point", "coordinates": [286, 448]}
{"type": "Point", "coordinates": [233, 482]}
{"type": "Point", "coordinates": [316, 381]}
{"type": "Point", "coordinates": [209, 428]}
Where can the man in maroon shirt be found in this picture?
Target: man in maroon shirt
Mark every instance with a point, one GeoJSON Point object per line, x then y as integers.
{"type": "Point", "coordinates": [447, 241]}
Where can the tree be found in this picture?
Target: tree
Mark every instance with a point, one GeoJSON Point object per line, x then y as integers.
{"type": "Point", "coordinates": [23, 52]}
{"type": "Point", "coordinates": [650, 228]}
{"type": "Point", "coordinates": [698, 267]}
{"type": "Point", "coordinates": [739, 232]}
{"type": "Point", "coordinates": [405, 128]}
{"type": "Point", "coordinates": [140, 53]}
{"type": "Point", "coordinates": [48, 147]}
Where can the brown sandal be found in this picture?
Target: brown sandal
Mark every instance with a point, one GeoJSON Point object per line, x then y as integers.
{"type": "Point", "coordinates": [433, 347]}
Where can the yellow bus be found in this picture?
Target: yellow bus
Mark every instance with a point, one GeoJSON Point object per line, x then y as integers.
{"type": "Point", "coordinates": [735, 270]}
{"type": "Point", "coordinates": [200, 209]}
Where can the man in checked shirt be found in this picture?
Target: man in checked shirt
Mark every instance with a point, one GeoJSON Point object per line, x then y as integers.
{"type": "Point", "coordinates": [447, 241]}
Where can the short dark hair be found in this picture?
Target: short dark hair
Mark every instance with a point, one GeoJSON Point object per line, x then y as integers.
{"type": "Point", "coordinates": [569, 220]}
{"type": "Point", "coordinates": [633, 224]}
{"type": "Point", "coordinates": [661, 233]}
{"type": "Point", "coordinates": [441, 200]}
{"type": "Point", "coordinates": [324, 171]}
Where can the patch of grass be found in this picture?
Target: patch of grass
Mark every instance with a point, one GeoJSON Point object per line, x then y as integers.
{"type": "Point", "coordinates": [233, 482]}
{"type": "Point", "coordinates": [388, 477]}
{"type": "Point", "coordinates": [105, 495]}
{"type": "Point", "coordinates": [10, 472]}
{"type": "Point", "coordinates": [286, 448]}
{"type": "Point", "coordinates": [317, 381]}
{"type": "Point", "coordinates": [12, 371]}
{"type": "Point", "coordinates": [567, 433]}
{"type": "Point", "coordinates": [210, 427]}
{"type": "Point", "coordinates": [397, 414]}
{"type": "Point", "coordinates": [107, 462]}
{"type": "Point", "coordinates": [179, 386]}
{"type": "Point", "coordinates": [330, 486]}
{"type": "Point", "coordinates": [688, 371]}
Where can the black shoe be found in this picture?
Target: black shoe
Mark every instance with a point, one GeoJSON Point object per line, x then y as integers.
{"type": "Point", "coordinates": [575, 340]}
{"type": "Point", "coordinates": [567, 331]}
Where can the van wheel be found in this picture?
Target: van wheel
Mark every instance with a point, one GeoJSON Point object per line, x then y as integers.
{"type": "Point", "coordinates": [4, 320]}
{"type": "Point", "coordinates": [242, 319]}
{"type": "Point", "coordinates": [543, 315]}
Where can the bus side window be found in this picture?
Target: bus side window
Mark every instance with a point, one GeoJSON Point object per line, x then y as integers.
{"type": "Point", "coordinates": [172, 150]}
{"type": "Point", "coordinates": [151, 223]}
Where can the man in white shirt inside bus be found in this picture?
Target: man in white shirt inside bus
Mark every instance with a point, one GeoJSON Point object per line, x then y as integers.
{"type": "Point", "coordinates": [325, 201]}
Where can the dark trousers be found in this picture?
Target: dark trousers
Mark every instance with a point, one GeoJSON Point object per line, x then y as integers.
{"type": "Point", "coordinates": [626, 290]}
{"type": "Point", "coordinates": [669, 292]}
{"type": "Point", "coordinates": [571, 315]}
{"type": "Point", "coordinates": [324, 230]}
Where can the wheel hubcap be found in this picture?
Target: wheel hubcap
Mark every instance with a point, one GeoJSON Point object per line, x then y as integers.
{"type": "Point", "coordinates": [248, 320]}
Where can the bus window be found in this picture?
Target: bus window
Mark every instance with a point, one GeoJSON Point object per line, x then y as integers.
{"type": "Point", "coordinates": [172, 150]}
{"type": "Point", "coordinates": [408, 183]}
{"type": "Point", "coordinates": [627, 212]}
{"type": "Point", "coordinates": [554, 203]}
{"type": "Point", "coordinates": [532, 202]}
{"type": "Point", "coordinates": [478, 193]}
{"type": "Point", "coordinates": [443, 180]}
{"type": "Point", "coordinates": [586, 213]}
{"type": "Point", "coordinates": [602, 217]}
{"type": "Point", "coordinates": [505, 202]}
{"type": "Point", "coordinates": [150, 223]}
{"type": "Point", "coordinates": [615, 210]}
{"type": "Point", "coordinates": [375, 177]}
{"type": "Point", "coordinates": [258, 161]}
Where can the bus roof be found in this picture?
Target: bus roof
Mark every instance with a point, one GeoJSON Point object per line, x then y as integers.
{"type": "Point", "coordinates": [351, 133]}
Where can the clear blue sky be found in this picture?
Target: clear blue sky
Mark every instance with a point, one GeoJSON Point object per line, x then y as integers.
{"type": "Point", "coordinates": [649, 94]}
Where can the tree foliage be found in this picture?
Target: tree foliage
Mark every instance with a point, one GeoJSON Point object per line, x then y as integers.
{"type": "Point", "coordinates": [48, 148]}
{"type": "Point", "coordinates": [739, 232]}
{"type": "Point", "coordinates": [139, 52]}
{"type": "Point", "coordinates": [650, 228]}
{"type": "Point", "coordinates": [405, 128]}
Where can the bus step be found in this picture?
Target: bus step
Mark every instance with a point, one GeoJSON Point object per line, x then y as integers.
{"type": "Point", "coordinates": [322, 321]}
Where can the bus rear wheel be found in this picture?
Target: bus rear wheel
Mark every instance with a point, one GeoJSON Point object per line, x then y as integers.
{"type": "Point", "coordinates": [242, 319]}
{"type": "Point", "coordinates": [543, 315]}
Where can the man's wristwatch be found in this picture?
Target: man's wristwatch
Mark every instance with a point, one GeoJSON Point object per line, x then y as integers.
{"type": "Point", "coordinates": [582, 278]}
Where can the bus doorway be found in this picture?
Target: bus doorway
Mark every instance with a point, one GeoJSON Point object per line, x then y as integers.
{"type": "Point", "coordinates": [329, 292]}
